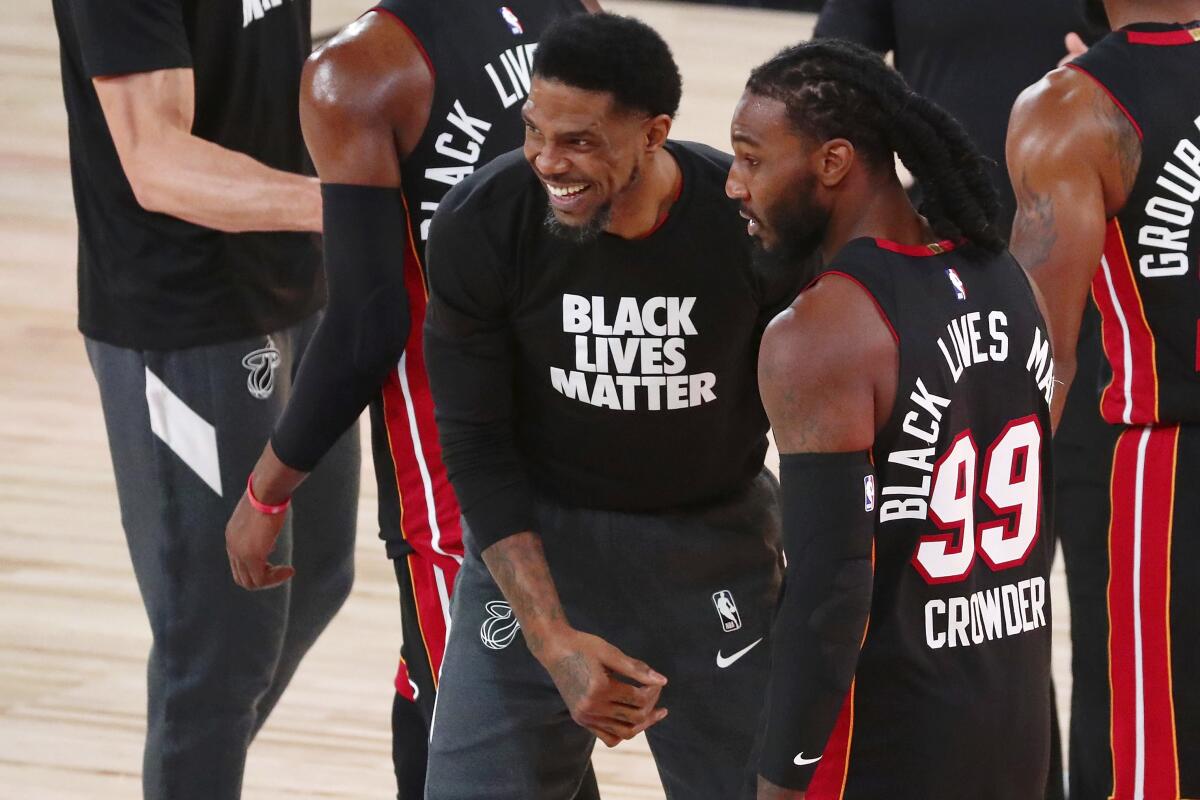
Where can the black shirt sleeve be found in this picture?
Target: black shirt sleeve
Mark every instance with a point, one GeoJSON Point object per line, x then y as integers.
{"type": "Point", "coordinates": [471, 360]}
{"type": "Point", "coordinates": [868, 22]}
{"type": "Point", "coordinates": [117, 38]}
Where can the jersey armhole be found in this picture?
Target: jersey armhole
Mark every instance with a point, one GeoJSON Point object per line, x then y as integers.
{"type": "Point", "coordinates": [1082, 71]}
{"type": "Point", "coordinates": [387, 12]}
{"type": "Point", "coordinates": [874, 300]}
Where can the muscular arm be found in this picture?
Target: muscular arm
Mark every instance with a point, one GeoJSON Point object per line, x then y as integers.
{"type": "Point", "coordinates": [827, 386]}
{"type": "Point", "coordinates": [172, 171]}
{"type": "Point", "coordinates": [364, 103]}
{"type": "Point", "coordinates": [1072, 157]}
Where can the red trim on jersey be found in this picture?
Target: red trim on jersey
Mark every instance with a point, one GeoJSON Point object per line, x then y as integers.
{"type": "Point", "coordinates": [1142, 496]}
{"type": "Point", "coordinates": [1198, 345]}
{"type": "Point", "coordinates": [932, 249]}
{"type": "Point", "coordinates": [404, 685]}
{"type": "Point", "coordinates": [412, 35]}
{"type": "Point", "coordinates": [431, 586]}
{"type": "Point", "coordinates": [882, 314]}
{"type": "Point", "coordinates": [1137, 128]}
{"type": "Point", "coordinates": [1131, 397]}
{"type": "Point", "coordinates": [1184, 36]}
{"type": "Point", "coordinates": [433, 529]}
{"type": "Point", "coordinates": [829, 781]}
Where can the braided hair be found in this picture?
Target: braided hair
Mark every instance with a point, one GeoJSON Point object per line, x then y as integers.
{"type": "Point", "coordinates": [836, 89]}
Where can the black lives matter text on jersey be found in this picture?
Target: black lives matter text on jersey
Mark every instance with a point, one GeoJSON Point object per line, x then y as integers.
{"type": "Point", "coordinates": [943, 490]}
{"type": "Point", "coordinates": [463, 136]}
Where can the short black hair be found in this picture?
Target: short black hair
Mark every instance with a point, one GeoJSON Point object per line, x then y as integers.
{"type": "Point", "coordinates": [610, 53]}
{"type": "Point", "coordinates": [837, 89]}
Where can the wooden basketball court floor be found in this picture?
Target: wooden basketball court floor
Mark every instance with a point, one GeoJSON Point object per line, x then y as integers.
{"type": "Point", "coordinates": [73, 636]}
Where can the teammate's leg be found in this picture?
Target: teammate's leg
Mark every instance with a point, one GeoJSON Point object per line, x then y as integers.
{"type": "Point", "coordinates": [184, 432]}
{"type": "Point", "coordinates": [500, 728]}
{"type": "Point", "coordinates": [1185, 612]}
{"type": "Point", "coordinates": [1081, 506]}
{"type": "Point", "coordinates": [711, 582]}
{"type": "Point", "coordinates": [1145, 541]}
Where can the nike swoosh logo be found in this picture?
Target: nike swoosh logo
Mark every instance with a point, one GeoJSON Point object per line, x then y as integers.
{"type": "Point", "coordinates": [725, 661]}
{"type": "Point", "coordinates": [801, 761]}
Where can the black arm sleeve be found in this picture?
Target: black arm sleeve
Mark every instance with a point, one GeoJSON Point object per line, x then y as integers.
{"type": "Point", "coordinates": [828, 525]}
{"type": "Point", "coordinates": [131, 36]}
{"type": "Point", "coordinates": [868, 22]}
{"type": "Point", "coordinates": [470, 357]}
{"type": "Point", "coordinates": [365, 326]}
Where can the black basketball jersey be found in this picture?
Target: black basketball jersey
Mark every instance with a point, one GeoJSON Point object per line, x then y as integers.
{"type": "Point", "coordinates": [1148, 285]}
{"type": "Point", "coordinates": [951, 698]}
{"type": "Point", "coordinates": [481, 57]}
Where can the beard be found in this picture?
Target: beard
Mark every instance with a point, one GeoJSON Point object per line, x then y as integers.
{"type": "Point", "coordinates": [590, 229]}
{"type": "Point", "coordinates": [799, 224]}
{"type": "Point", "coordinates": [585, 233]}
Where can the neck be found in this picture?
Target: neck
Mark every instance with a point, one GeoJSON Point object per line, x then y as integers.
{"type": "Point", "coordinates": [876, 211]}
{"type": "Point", "coordinates": [1124, 12]}
{"type": "Point", "coordinates": [640, 208]}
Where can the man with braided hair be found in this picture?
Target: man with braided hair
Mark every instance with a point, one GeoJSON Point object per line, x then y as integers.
{"type": "Point", "coordinates": [908, 388]}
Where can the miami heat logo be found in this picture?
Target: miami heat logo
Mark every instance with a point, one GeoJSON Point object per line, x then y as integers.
{"type": "Point", "coordinates": [510, 19]}
{"type": "Point", "coordinates": [500, 628]}
{"type": "Point", "coordinates": [262, 364]}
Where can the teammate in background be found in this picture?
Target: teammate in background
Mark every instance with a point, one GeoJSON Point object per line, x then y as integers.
{"type": "Point", "coordinates": [199, 286]}
{"type": "Point", "coordinates": [591, 335]}
{"type": "Point", "coordinates": [396, 109]}
{"type": "Point", "coordinates": [973, 59]}
{"type": "Point", "coordinates": [907, 389]}
{"type": "Point", "coordinates": [1105, 156]}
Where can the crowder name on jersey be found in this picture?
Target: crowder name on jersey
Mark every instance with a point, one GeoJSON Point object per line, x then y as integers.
{"type": "Point", "coordinates": [942, 490]}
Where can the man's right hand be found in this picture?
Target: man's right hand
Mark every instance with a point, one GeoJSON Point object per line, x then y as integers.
{"type": "Point", "coordinates": [607, 692]}
{"type": "Point", "coordinates": [250, 534]}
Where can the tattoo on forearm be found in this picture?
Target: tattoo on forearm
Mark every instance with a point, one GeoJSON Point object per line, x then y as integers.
{"type": "Point", "coordinates": [518, 565]}
{"type": "Point", "coordinates": [1033, 234]}
{"type": "Point", "coordinates": [570, 674]}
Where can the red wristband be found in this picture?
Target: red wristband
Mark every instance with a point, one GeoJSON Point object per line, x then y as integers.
{"type": "Point", "coordinates": [259, 505]}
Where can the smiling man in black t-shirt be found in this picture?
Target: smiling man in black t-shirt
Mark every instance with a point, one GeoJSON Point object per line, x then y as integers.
{"type": "Point", "coordinates": [199, 283]}
{"type": "Point", "coordinates": [590, 342]}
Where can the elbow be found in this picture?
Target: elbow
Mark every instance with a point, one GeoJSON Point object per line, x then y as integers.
{"type": "Point", "coordinates": [143, 172]}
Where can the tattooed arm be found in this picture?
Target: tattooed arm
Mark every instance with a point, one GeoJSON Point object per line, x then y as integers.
{"type": "Point", "coordinates": [1072, 157]}
{"type": "Point", "coordinates": [586, 669]}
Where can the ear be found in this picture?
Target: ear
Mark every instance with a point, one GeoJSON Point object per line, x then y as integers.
{"type": "Point", "coordinates": [655, 132]}
{"type": "Point", "coordinates": [832, 162]}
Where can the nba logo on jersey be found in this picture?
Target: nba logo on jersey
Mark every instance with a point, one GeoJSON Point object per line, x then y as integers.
{"type": "Point", "coordinates": [869, 492]}
{"type": "Point", "coordinates": [510, 18]}
{"type": "Point", "coordinates": [731, 620]}
{"type": "Point", "coordinates": [960, 291]}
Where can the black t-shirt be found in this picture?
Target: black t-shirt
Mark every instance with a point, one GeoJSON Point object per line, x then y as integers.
{"type": "Point", "coordinates": [618, 374]}
{"type": "Point", "coordinates": [151, 281]}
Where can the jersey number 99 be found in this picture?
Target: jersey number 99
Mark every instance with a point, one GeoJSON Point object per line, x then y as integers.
{"type": "Point", "coordinates": [1011, 487]}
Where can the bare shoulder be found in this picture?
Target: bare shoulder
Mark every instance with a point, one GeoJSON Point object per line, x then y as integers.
{"type": "Point", "coordinates": [372, 74]}
{"type": "Point", "coordinates": [824, 368]}
{"type": "Point", "coordinates": [1067, 124]}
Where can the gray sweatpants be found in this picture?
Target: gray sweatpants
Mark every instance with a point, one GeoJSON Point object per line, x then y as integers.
{"type": "Point", "coordinates": [691, 594]}
{"type": "Point", "coordinates": [185, 428]}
